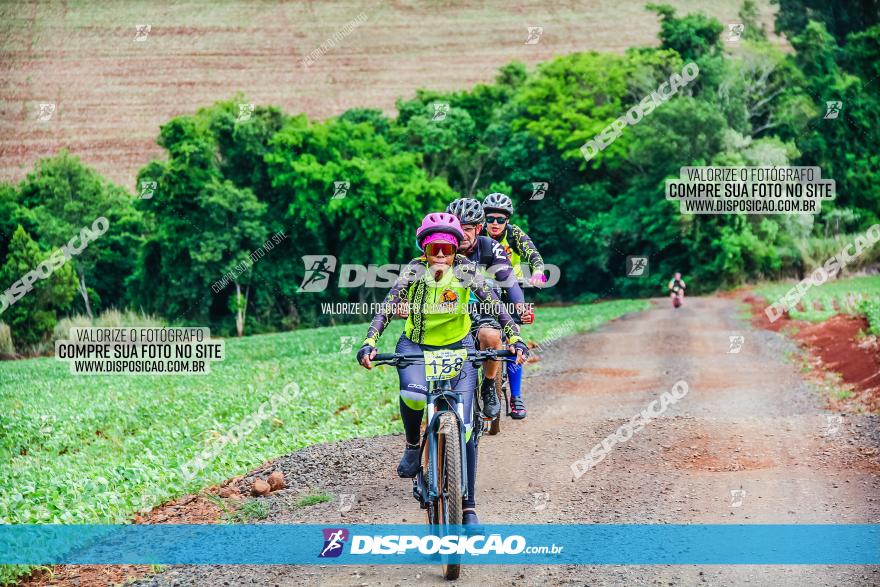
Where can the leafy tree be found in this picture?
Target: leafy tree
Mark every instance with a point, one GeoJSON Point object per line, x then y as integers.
{"type": "Point", "coordinates": [32, 316]}
{"type": "Point", "coordinates": [861, 54]}
{"type": "Point", "coordinates": [844, 147]}
{"type": "Point", "coordinates": [242, 144]}
{"type": "Point", "coordinates": [386, 194]}
{"type": "Point", "coordinates": [64, 196]}
{"type": "Point", "coordinates": [12, 214]}
{"type": "Point", "coordinates": [692, 36]}
{"type": "Point", "coordinates": [201, 226]}
{"type": "Point", "coordinates": [793, 16]}
{"type": "Point", "coordinates": [461, 144]}
{"type": "Point", "coordinates": [750, 16]}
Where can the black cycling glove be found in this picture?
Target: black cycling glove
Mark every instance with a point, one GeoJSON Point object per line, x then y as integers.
{"type": "Point", "coordinates": [364, 352]}
{"type": "Point", "coordinates": [521, 346]}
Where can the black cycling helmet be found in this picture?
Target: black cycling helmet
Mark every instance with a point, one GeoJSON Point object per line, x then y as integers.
{"type": "Point", "coordinates": [498, 202]}
{"type": "Point", "coordinates": [468, 210]}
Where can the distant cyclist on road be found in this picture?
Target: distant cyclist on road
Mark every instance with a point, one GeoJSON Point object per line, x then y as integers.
{"type": "Point", "coordinates": [518, 246]}
{"type": "Point", "coordinates": [437, 287]}
{"type": "Point", "coordinates": [676, 288]}
{"type": "Point", "coordinates": [486, 253]}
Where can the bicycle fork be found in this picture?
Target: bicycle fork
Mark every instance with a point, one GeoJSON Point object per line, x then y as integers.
{"type": "Point", "coordinates": [427, 490]}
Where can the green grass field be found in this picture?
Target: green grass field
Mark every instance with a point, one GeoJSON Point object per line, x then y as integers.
{"type": "Point", "coordinates": [857, 295]}
{"type": "Point", "coordinates": [89, 448]}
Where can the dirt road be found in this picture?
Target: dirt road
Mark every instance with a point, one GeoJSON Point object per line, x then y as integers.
{"type": "Point", "coordinates": [749, 425]}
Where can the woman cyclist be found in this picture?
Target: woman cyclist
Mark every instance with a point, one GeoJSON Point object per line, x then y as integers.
{"type": "Point", "coordinates": [436, 287]}
{"type": "Point", "coordinates": [517, 244]}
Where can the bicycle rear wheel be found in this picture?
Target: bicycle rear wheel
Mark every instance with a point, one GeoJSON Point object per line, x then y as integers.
{"type": "Point", "coordinates": [495, 426]}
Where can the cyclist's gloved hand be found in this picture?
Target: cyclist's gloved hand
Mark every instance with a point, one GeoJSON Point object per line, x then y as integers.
{"type": "Point", "coordinates": [538, 279]}
{"type": "Point", "coordinates": [364, 355]}
{"type": "Point", "coordinates": [521, 350]}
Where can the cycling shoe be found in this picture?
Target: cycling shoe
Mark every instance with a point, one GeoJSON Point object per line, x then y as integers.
{"type": "Point", "coordinates": [409, 463]}
{"type": "Point", "coordinates": [517, 408]}
{"type": "Point", "coordinates": [469, 518]}
{"type": "Point", "coordinates": [491, 405]}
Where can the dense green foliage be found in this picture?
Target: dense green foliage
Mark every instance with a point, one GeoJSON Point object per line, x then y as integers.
{"type": "Point", "coordinates": [839, 18]}
{"type": "Point", "coordinates": [871, 310]}
{"type": "Point", "coordinates": [33, 316]}
{"type": "Point", "coordinates": [229, 182]}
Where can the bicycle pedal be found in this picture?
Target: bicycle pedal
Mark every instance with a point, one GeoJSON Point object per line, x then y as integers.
{"type": "Point", "coordinates": [418, 491]}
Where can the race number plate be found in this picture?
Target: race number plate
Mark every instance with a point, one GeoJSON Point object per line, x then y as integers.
{"type": "Point", "coordinates": [444, 363]}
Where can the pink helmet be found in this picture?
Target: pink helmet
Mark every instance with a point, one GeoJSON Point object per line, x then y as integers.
{"type": "Point", "coordinates": [439, 222]}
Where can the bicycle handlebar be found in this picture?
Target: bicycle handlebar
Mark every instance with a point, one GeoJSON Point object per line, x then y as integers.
{"type": "Point", "coordinates": [394, 358]}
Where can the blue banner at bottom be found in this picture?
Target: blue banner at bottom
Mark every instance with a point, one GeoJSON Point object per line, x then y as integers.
{"type": "Point", "coordinates": [303, 544]}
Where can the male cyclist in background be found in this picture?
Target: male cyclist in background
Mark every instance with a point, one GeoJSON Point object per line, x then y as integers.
{"type": "Point", "coordinates": [486, 253]}
{"type": "Point", "coordinates": [517, 244]}
{"type": "Point", "coordinates": [676, 288]}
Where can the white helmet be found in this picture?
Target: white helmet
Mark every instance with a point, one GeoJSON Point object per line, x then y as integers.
{"type": "Point", "coordinates": [498, 202]}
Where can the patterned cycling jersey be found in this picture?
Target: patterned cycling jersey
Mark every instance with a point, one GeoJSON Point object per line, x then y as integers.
{"type": "Point", "coordinates": [518, 246]}
{"type": "Point", "coordinates": [438, 312]}
{"type": "Point", "coordinates": [487, 253]}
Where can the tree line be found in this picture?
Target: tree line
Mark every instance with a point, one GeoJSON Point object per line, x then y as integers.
{"type": "Point", "coordinates": [229, 182]}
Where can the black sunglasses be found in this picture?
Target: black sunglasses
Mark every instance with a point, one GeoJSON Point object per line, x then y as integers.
{"type": "Point", "coordinates": [496, 219]}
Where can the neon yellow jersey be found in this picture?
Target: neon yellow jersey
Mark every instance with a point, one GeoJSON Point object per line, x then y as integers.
{"type": "Point", "coordinates": [438, 312]}
{"type": "Point", "coordinates": [515, 259]}
{"type": "Point", "coordinates": [518, 247]}
{"type": "Point", "coordinates": [438, 309]}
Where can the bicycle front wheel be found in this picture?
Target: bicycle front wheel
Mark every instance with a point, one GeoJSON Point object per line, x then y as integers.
{"type": "Point", "coordinates": [448, 509]}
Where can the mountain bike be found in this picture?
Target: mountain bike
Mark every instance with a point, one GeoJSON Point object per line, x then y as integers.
{"type": "Point", "coordinates": [493, 425]}
{"type": "Point", "coordinates": [677, 297]}
{"type": "Point", "coordinates": [441, 483]}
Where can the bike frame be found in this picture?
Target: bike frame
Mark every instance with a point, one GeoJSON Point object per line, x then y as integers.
{"type": "Point", "coordinates": [440, 391]}
{"type": "Point", "coordinates": [440, 398]}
